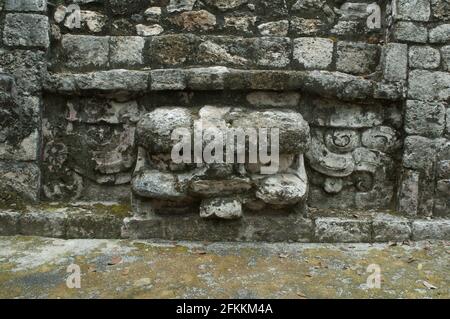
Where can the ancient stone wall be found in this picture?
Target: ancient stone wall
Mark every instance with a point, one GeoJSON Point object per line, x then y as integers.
{"type": "Point", "coordinates": [93, 89]}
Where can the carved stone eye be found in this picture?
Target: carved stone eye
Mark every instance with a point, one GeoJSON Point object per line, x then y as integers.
{"type": "Point", "coordinates": [341, 140]}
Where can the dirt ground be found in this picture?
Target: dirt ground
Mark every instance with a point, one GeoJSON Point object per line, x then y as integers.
{"type": "Point", "coordinates": [33, 267]}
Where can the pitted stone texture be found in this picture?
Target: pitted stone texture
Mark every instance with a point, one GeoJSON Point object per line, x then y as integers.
{"type": "Point", "coordinates": [221, 208]}
{"type": "Point", "coordinates": [45, 225]}
{"type": "Point", "coordinates": [180, 5]}
{"type": "Point", "coordinates": [425, 118]}
{"type": "Point", "coordinates": [91, 225]}
{"type": "Point", "coordinates": [293, 129]}
{"type": "Point", "coordinates": [427, 85]}
{"type": "Point", "coordinates": [283, 189]}
{"type": "Point", "coordinates": [27, 66]}
{"type": "Point", "coordinates": [115, 81]}
{"type": "Point", "coordinates": [441, 10]}
{"type": "Point", "coordinates": [356, 58]}
{"type": "Point", "coordinates": [155, 129]}
{"type": "Point", "coordinates": [445, 52]}
{"type": "Point", "coordinates": [440, 34]}
{"type": "Point", "coordinates": [126, 51]}
{"type": "Point", "coordinates": [275, 28]}
{"type": "Point", "coordinates": [273, 99]}
{"type": "Point", "coordinates": [19, 180]}
{"type": "Point", "coordinates": [413, 10]}
{"type": "Point", "coordinates": [85, 51]}
{"type": "Point", "coordinates": [9, 223]}
{"type": "Point", "coordinates": [408, 198]}
{"type": "Point", "coordinates": [272, 52]}
{"type": "Point", "coordinates": [155, 184]}
{"type": "Point", "coordinates": [313, 53]}
{"type": "Point", "coordinates": [199, 21]}
{"type": "Point", "coordinates": [343, 230]}
{"type": "Point", "coordinates": [122, 7]}
{"type": "Point", "coordinates": [420, 152]}
{"type": "Point", "coordinates": [391, 228]}
{"type": "Point", "coordinates": [168, 79]}
{"type": "Point", "coordinates": [225, 5]}
{"type": "Point", "coordinates": [424, 57]}
{"type": "Point", "coordinates": [26, 5]}
{"type": "Point", "coordinates": [410, 32]}
{"type": "Point", "coordinates": [395, 62]}
{"type": "Point", "coordinates": [431, 229]}
{"type": "Point", "coordinates": [149, 30]}
{"type": "Point", "coordinates": [26, 30]}
{"type": "Point", "coordinates": [211, 78]}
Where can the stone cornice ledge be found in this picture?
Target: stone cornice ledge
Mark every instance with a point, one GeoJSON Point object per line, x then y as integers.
{"type": "Point", "coordinates": [324, 83]}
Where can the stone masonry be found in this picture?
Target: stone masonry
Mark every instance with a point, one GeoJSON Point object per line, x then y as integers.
{"type": "Point", "coordinates": [92, 91]}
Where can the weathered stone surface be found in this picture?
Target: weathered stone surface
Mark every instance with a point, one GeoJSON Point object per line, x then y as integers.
{"type": "Point", "coordinates": [382, 138]}
{"type": "Point", "coordinates": [410, 32]}
{"type": "Point", "coordinates": [149, 30]}
{"type": "Point", "coordinates": [356, 58]}
{"type": "Point", "coordinates": [272, 52]}
{"type": "Point", "coordinates": [275, 28]}
{"type": "Point", "coordinates": [242, 24]}
{"type": "Point", "coordinates": [418, 10]}
{"type": "Point", "coordinates": [427, 229]}
{"type": "Point", "coordinates": [153, 14]}
{"type": "Point", "coordinates": [391, 228]}
{"type": "Point", "coordinates": [155, 128]}
{"type": "Point", "coordinates": [225, 5]}
{"type": "Point", "coordinates": [441, 10]}
{"type": "Point", "coordinates": [222, 208]}
{"type": "Point", "coordinates": [222, 187]}
{"type": "Point", "coordinates": [440, 34]}
{"type": "Point", "coordinates": [212, 78]}
{"type": "Point", "coordinates": [427, 85]}
{"type": "Point", "coordinates": [168, 79]}
{"type": "Point", "coordinates": [395, 61]}
{"type": "Point", "coordinates": [91, 225]}
{"type": "Point", "coordinates": [338, 114]}
{"type": "Point", "coordinates": [9, 223]}
{"type": "Point", "coordinates": [248, 228]}
{"type": "Point", "coordinates": [313, 53]}
{"type": "Point", "coordinates": [172, 50]}
{"type": "Point", "coordinates": [445, 52]}
{"type": "Point", "coordinates": [180, 5]}
{"type": "Point", "coordinates": [420, 152]}
{"type": "Point", "coordinates": [122, 7]}
{"type": "Point", "coordinates": [273, 99]}
{"type": "Point", "coordinates": [306, 27]}
{"type": "Point", "coordinates": [201, 20]}
{"type": "Point", "coordinates": [424, 57]}
{"type": "Point", "coordinates": [340, 85]}
{"type": "Point", "coordinates": [26, 5]}
{"type": "Point", "coordinates": [282, 189]}
{"type": "Point", "coordinates": [85, 51]}
{"type": "Point", "coordinates": [114, 80]}
{"type": "Point", "coordinates": [154, 184]}
{"type": "Point", "coordinates": [330, 229]}
{"type": "Point", "coordinates": [293, 129]}
{"type": "Point", "coordinates": [19, 181]}
{"type": "Point", "coordinates": [43, 224]}
{"type": "Point", "coordinates": [26, 30]}
{"type": "Point", "coordinates": [27, 66]}
{"type": "Point", "coordinates": [425, 118]}
{"type": "Point", "coordinates": [126, 51]}
{"type": "Point", "coordinates": [408, 195]}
